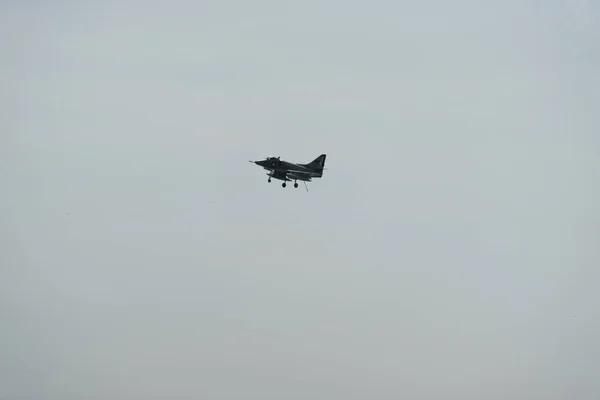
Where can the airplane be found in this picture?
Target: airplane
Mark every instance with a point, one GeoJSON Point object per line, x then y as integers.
{"type": "Point", "coordinates": [287, 171]}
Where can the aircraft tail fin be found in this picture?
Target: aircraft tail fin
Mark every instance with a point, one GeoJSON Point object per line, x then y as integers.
{"type": "Point", "coordinates": [318, 163]}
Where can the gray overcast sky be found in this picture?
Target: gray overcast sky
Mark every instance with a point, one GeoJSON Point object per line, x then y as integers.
{"type": "Point", "coordinates": [450, 250]}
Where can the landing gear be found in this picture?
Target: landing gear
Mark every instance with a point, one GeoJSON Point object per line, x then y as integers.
{"type": "Point", "coordinates": [295, 184]}
{"type": "Point", "coordinates": [283, 184]}
{"type": "Point", "coordinates": [269, 180]}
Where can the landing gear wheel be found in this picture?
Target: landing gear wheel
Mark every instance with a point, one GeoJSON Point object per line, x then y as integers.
{"type": "Point", "coordinates": [283, 184]}
{"type": "Point", "coordinates": [269, 180]}
{"type": "Point", "coordinates": [295, 184]}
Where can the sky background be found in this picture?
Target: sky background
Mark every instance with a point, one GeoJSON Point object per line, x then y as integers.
{"type": "Point", "coordinates": [450, 250]}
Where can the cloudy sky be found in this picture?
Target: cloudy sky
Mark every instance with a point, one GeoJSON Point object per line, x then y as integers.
{"type": "Point", "coordinates": [450, 250]}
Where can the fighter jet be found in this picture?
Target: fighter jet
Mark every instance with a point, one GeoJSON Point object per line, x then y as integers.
{"type": "Point", "coordinates": [287, 171]}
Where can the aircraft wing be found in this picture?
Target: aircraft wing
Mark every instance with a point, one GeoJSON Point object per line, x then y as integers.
{"type": "Point", "coordinates": [302, 173]}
